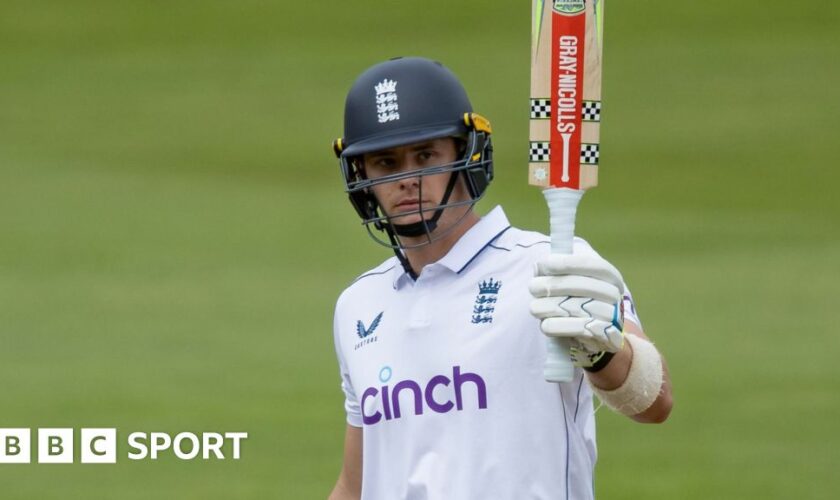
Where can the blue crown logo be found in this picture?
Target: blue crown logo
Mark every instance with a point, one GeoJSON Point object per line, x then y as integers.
{"type": "Point", "coordinates": [489, 287]}
{"type": "Point", "coordinates": [485, 301]}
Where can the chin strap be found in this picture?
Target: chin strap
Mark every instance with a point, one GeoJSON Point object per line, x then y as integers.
{"type": "Point", "coordinates": [400, 256]}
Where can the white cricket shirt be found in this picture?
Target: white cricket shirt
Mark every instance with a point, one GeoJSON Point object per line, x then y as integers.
{"type": "Point", "coordinates": [445, 376]}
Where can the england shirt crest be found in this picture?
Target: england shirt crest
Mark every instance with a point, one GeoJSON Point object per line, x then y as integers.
{"type": "Point", "coordinates": [485, 301]}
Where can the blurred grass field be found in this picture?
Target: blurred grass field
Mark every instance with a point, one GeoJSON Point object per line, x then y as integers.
{"type": "Point", "coordinates": [173, 232]}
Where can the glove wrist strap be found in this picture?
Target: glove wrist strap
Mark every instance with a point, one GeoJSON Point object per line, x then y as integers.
{"type": "Point", "coordinates": [602, 362]}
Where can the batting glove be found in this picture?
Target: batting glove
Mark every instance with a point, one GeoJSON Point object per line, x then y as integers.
{"type": "Point", "coordinates": [579, 297]}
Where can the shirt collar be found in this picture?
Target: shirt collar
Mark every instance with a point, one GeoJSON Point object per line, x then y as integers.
{"type": "Point", "coordinates": [469, 246]}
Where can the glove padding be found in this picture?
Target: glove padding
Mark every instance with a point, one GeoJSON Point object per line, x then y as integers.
{"type": "Point", "coordinates": [579, 297]}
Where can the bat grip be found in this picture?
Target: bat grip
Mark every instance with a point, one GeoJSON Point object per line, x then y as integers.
{"type": "Point", "coordinates": [562, 207]}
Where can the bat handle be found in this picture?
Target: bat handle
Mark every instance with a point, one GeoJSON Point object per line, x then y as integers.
{"type": "Point", "coordinates": [562, 207]}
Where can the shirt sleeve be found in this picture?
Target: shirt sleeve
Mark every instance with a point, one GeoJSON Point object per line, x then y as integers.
{"type": "Point", "coordinates": [630, 307]}
{"type": "Point", "coordinates": [351, 402]}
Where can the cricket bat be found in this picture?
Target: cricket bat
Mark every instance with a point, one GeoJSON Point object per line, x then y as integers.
{"type": "Point", "coordinates": [566, 54]}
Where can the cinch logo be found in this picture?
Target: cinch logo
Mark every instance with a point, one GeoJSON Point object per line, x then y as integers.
{"type": "Point", "coordinates": [386, 400]}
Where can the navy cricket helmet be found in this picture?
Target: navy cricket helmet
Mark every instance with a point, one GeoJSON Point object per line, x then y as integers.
{"type": "Point", "coordinates": [405, 101]}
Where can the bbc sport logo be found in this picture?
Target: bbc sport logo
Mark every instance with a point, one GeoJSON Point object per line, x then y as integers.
{"type": "Point", "coordinates": [99, 445]}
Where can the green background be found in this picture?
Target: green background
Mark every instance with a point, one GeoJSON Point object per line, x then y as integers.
{"type": "Point", "coordinates": [173, 232]}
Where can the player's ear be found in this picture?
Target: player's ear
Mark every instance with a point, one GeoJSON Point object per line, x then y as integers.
{"type": "Point", "coordinates": [359, 165]}
{"type": "Point", "coordinates": [460, 146]}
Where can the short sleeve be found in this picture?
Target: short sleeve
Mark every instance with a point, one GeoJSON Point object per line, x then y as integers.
{"type": "Point", "coordinates": [630, 307]}
{"type": "Point", "coordinates": [351, 402]}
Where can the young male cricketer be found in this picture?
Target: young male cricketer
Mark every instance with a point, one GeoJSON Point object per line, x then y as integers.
{"type": "Point", "coordinates": [439, 349]}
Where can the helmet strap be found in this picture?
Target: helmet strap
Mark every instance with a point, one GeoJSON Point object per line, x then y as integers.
{"type": "Point", "coordinates": [401, 256]}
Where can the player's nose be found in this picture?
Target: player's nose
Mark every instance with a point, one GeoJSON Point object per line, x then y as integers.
{"type": "Point", "coordinates": [408, 164]}
{"type": "Point", "coordinates": [410, 182]}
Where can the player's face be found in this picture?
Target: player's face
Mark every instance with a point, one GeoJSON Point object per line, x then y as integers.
{"type": "Point", "coordinates": [412, 194]}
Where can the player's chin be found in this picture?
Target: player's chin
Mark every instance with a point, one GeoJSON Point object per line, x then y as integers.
{"type": "Point", "coordinates": [404, 220]}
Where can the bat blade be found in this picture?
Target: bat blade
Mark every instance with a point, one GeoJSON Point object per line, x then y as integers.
{"type": "Point", "coordinates": [566, 52]}
{"type": "Point", "coordinates": [564, 152]}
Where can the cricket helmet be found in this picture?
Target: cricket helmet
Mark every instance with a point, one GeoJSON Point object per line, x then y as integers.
{"type": "Point", "coordinates": [405, 101]}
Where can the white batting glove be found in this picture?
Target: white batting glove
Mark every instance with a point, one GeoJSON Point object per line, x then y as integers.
{"type": "Point", "coordinates": [579, 297]}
